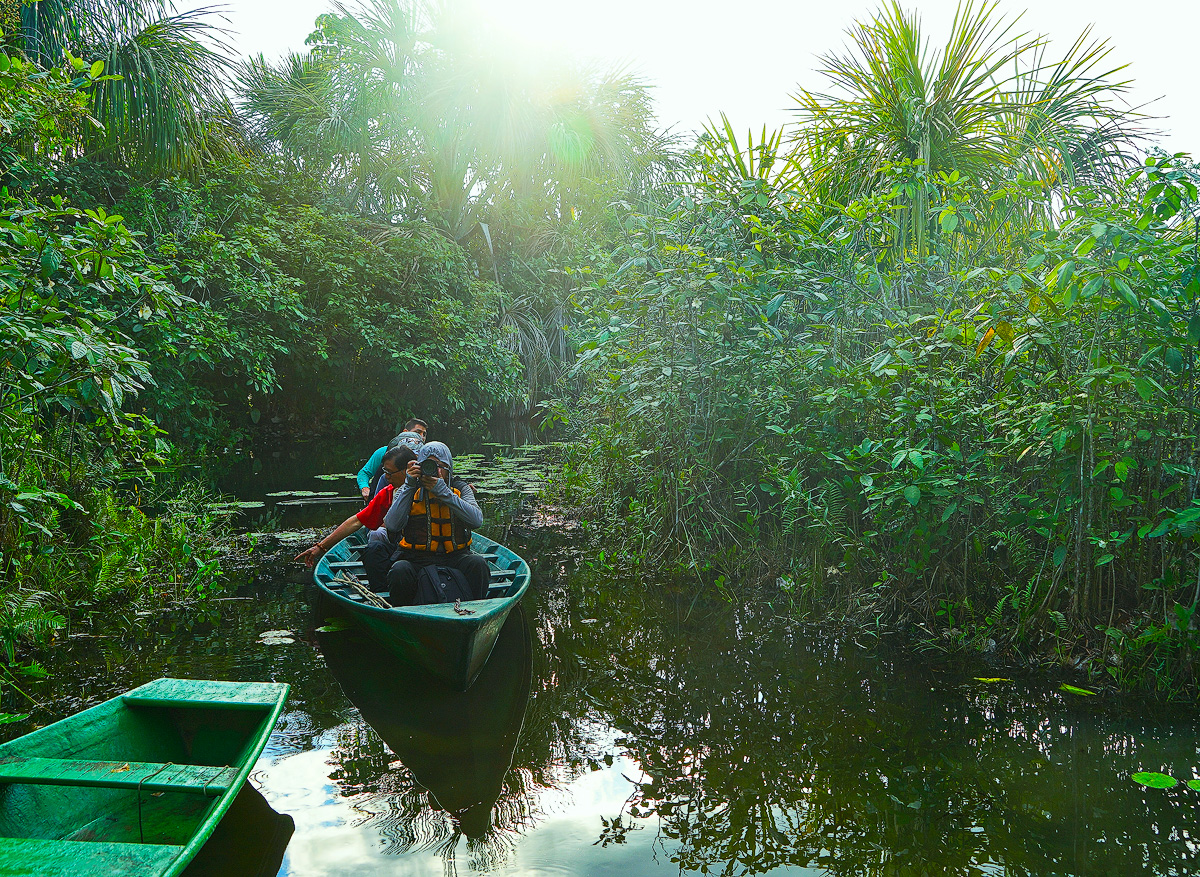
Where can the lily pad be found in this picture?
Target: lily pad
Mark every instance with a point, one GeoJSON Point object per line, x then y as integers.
{"type": "Point", "coordinates": [1154, 780]}
{"type": "Point", "coordinates": [1194, 785]}
{"type": "Point", "coordinates": [222, 507]}
{"type": "Point", "coordinates": [276, 637]}
{"type": "Point", "coordinates": [337, 476]}
{"type": "Point", "coordinates": [991, 679]}
{"type": "Point", "coordinates": [334, 625]}
{"type": "Point", "coordinates": [303, 493]}
{"type": "Point", "coordinates": [1082, 692]}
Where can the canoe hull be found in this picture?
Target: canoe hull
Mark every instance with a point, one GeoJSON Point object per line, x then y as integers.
{"type": "Point", "coordinates": [451, 646]}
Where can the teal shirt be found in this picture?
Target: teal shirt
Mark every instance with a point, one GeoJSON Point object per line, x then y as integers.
{"type": "Point", "coordinates": [368, 473]}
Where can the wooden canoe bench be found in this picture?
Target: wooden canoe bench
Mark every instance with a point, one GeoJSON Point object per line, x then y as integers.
{"type": "Point", "coordinates": [196, 779]}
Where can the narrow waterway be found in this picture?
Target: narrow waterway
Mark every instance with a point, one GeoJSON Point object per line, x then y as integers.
{"type": "Point", "coordinates": [627, 730]}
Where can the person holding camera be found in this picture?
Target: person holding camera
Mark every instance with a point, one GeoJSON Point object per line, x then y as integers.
{"type": "Point", "coordinates": [395, 467]}
{"type": "Point", "coordinates": [430, 522]}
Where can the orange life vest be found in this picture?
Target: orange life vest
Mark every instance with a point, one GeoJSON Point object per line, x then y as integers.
{"type": "Point", "coordinates": [431, 526]}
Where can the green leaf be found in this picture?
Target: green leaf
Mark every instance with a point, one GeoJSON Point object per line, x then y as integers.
{"type": "Point", "coordinates": [1060, 555]}
{"type": "Point", "coordinates": [774, 304]}
{"type": "Point", "coordinates": [912, 493]}
{"type": "Point", "coordinates": [5, 64]}
{"type": "Point", "coordinates": [9, 718]}
{"type": "Point", "coordinates": [96, 69]}
{"type": "Point", "coordinates": [949, 222]}
{"type": "Point", "coordinates": [1193, 329]}
{"type": "Point", "coordinates": [917, 459]}
{"type": "Point", "coordinates": [1071, 689]}
{"type": "Point", "coordinates": [991, 680]}
{"type": "Point", "coordinates": [1194, 785]}
{"type": "Point", "coordinates": [1144, 388]}
{"type": "Point", "coordinates": [1154, 780]}
{"type": "Point", "coordinates": [1124, 291]}
{"type": "Point", "coordinates": [1065, 272]}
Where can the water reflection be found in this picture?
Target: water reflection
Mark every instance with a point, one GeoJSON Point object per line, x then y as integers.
{"type": "Point", "coordinates": [454, 748]}
{"type": "Point", "coordinates": [649, 733]}
{"type": "Point", "coordinates": [249, 841]}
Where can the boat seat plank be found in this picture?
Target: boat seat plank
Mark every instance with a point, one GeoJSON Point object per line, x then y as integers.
{"type": "Point", "coordinates": [345, 564]}
{"type": "Point", "coordinates": [197, 779]}
{"type": "Point", "coordinates": [501, 574]}
{"type": "Point", "coordinates": [197, 693]}
{"type": "Point", "coordinates": [67, 858]}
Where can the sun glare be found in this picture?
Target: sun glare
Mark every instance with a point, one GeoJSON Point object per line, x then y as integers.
{"type": "Point", "coordinates": [549, 26]}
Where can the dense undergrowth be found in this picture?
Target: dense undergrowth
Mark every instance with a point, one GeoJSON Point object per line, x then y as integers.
{"type": "Point", "coordinates": [983, 452]}
{"type": "Point", "coordinates": [945, 386]}
{"type": "Point", "coordinates": [925, 360]}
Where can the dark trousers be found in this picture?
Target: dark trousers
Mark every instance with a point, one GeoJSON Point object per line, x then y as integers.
{"type": "Point", "coordinates": [377, 557]}
{"type": "Point", "coordinates": [402, 576]}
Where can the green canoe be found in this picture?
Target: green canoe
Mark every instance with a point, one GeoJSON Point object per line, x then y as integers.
{"type": "Point", "coordinates": [134, 785]}
{"type": "Point", "coordinates": [451, 644]}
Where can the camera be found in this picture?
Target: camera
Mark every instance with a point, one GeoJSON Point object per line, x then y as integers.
{"type": "Point", "coordinates": [429, 466]}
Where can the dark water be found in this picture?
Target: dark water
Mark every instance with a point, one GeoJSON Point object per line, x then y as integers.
{"type": "Point", "coordinates": [624, 730]}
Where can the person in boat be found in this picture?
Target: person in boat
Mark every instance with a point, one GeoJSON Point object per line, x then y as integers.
{"type": "Point", "coordinates": [370, 477]}
{"type": "Point", "coordinates": [430, 522]}
{"type": "Point", "coordinates": [394, 464]}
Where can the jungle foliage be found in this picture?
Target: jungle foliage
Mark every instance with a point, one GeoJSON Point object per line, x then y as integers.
{"type": "Point", "coordinates": [928, 359]}
{"type": "Point", "coordinates": [197, 254]}
{"type": "Point", "coordinates": [925, 357]}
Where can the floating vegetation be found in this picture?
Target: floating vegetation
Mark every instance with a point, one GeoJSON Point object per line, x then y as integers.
{"type": "Point", "coordinates": [304, 493]}
{"type": "Point", "coordinates": [228, 508]}
{"type": "Point", "coordinates": [334, 625]}
{"type": "Point", "coordinates": [1154, 780]}
{"type": "Point", "coordinates": [276, 637]}
{"type": "Point", "coordinates": [989, 680]}
{"type": "Point", "coordinates": [520, 472]}
{"type": "Point", "coordinates": [1194, 785]}
{"type": "Point", "coordinates": [320, 498]}
{"type": "Point", "coordinates": [1082, 692]}
{"type": "Point", "coordinates": [337, 476]}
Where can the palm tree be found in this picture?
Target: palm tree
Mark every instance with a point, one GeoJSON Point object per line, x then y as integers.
{"type": "Point", "coordinates": [987, 106]}
{"type": "Point", "coordinates": [165, 108]}
{"type": "Point", "coordinates": [413, 96]}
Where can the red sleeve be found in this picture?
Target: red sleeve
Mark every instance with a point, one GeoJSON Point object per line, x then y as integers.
{"type": "Point", "coordinates": [372, 516]}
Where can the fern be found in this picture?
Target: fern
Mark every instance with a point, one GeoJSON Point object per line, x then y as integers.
{"type": "Point", "coordinates": [23, 618]}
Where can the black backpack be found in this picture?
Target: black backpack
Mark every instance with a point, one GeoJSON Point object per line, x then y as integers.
{"type": "Point", "coordinates": [441, 584]}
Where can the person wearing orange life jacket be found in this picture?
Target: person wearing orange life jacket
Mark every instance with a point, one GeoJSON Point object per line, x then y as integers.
{"type": "Point", "coordinates": [430, 522]}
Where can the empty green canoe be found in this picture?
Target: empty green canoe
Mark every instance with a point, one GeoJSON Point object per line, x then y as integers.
{"type": "Point", "coordinates": [134, 785]}
{"type": "Point", "coordinates": [451, 644]}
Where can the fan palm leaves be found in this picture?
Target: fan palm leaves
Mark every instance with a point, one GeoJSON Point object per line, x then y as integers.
{"type": "Point", "coordinates": [165, 108]}
{"type": "Point", "coordinates": [988, 105]}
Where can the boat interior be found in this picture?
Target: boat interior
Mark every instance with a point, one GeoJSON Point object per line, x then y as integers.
{"type": "Point", "coordinates": [129, 781]}
{"type": "Point", "coordinates": [507, 575]}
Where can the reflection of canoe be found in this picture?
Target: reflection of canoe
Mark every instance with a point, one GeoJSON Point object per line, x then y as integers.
{"type": "Point", "coordinates": [457, 744]}
{"type": "Point", "coordinates": [451, 646]}
{"type": "Point", "coordinates": [136, 784]}
{"type": "Point", "coordinates": [249, 842]}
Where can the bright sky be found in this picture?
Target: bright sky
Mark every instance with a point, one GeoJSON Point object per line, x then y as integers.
{"type": "Point", "coordinates": [746, 59]}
